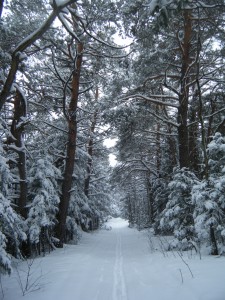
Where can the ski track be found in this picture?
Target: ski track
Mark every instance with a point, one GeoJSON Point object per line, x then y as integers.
{"type": "Point", "coordinates": [117, 265]}
{"type": "Point", "coordinates": [119, 287]}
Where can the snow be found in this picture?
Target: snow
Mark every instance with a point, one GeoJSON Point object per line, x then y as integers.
{"type": "Point", "coordinates": [121, 264]}
{"type": "Point", "coordinates": [153, 5]}
{"type": "Point", "coordinates": [67, 26]}
{"type": "Point", "coordinates": [60, 2]}
{"type": "Point", "coordinates": [110, 143]}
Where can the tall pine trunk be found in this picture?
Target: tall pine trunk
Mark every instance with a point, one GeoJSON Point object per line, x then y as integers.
{"type": "Point", "coordinates": [90, 149]}
{"type": "Point", "coordinates": [184, 92]}
{"type": "Point", "coordinates": [71, 149]}
{"type": "Point", "coordinates": [194, 134]}
{"type": "Point", "coordinates": [1, 7]}
{"type": "Point", "coordinates": [214, 247]}
{"type": "Point", "coordinates": [17, 129]}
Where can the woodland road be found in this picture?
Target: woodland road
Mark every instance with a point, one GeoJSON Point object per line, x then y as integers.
{"type": "Point", "coordinates": [116, 264]}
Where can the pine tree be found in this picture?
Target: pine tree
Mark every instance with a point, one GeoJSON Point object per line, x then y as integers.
{"type": "Point", "coordinates": [208, 197]}
{"type": "Point", "coordinates": [44, 200]}
{"type": "Point", "coordinates": [11, 224]}
{"type": "Point", "coordinates": [177, 217]}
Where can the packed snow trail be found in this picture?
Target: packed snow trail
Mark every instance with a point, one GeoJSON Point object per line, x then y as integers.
{"type": "Point", "coordinates": [117, 264]}
{"type": "Point", "coordinates": [119, 287]}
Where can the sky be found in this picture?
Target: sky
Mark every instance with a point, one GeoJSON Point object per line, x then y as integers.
{"type": "Point", "coordinates": [110, 143]}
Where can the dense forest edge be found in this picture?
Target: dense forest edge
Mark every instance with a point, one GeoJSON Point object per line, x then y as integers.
{"type": "Point", "coordinates": [147, 74]}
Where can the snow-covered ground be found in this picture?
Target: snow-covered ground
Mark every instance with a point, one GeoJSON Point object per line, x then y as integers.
{"type": "Point", "coordinates": [119, 264]}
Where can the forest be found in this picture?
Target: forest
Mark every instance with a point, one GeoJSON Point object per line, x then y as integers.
{"type": "Point", "coordinates": [148, 74]}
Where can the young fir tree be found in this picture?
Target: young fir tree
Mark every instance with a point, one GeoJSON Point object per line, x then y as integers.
{"type": "Point", "coordinates": [11, 225]}
{"type": "Point", "coordinates": [177, 217]}
{"type": "Point", "coordinates": [44, 198]}
{"type": "Point", "coordinates": [208, 197]}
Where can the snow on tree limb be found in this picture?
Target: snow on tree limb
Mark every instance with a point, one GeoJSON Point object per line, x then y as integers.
{"type": "Point", "coordinates": [67, 27]}
{"type": "Point", "coordinates": [142, 97]}
{"type": "Point", "coordinates": [24, 44]}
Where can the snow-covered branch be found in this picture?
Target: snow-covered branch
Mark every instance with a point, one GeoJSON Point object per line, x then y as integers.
{"type": "Point", "coordinates": [51, 125]}
{"type": "Point", "coordinates": [23, 45]}
{"type": "Point", "coordinates": [142, 97]}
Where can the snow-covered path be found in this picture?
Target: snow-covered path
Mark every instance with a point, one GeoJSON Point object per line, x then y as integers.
{"type": "Point", "coordinates": [118, 265]}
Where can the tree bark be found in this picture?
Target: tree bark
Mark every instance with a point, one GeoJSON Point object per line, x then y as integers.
{"type": "Point", "coordinates": [71, 149]}
{"type": "Point", "coordinates": [17, 131]}
{"type": "Point", "coordinates": [214, 248]}
{"type": "Point", "coordinates": [1, 7]}
{"type": "Point", "coordinates": [158, 145]}
{"type": "Point", "coordinates": [90, 150]}
{"type": "Point", "coordinates": [172, 144]}
{"type": "Point", "coordinates": [150, 200]}
{"type": "Point", "coordinates": [210, 123]}
{"type": "Point", "coordinates": [193, 135]}
{"type": "Point", "coordinates": [184, 93]}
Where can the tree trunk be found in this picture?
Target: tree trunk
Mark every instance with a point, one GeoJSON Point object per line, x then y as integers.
{"type": "Point", "coordinates": [1, 7]}
{"type": "Point", "coordinates": [214, 248]}
{"type": "Point", "coordinates": [172, 143]}
{"type": "Point", "coordinates": [210, 122]}
{"type": "Point", "coordinates": [193, 135]}
{"type": "Point", "coordinates": [158, 146]}
{"type": "Point", "coordinates": [23, 182]}
{"type": "Point", "coordinates": [17, 131]}
{"type": "Point", "coordinates": [89, 168]}
{"type": "Point", "coordinates": [9, 81]}
{"type": "Point", "coordinates": [90, 150]}
{"type": "Point", "coordinates": [184, 93]}
{"type": "Point", "coordinates": [71, 149]}
{"type": "Point", "coordinates": [150, 200]}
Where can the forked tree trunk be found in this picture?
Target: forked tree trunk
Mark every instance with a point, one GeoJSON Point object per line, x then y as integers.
{"type": "Point", "coordinates": [71, 149]}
